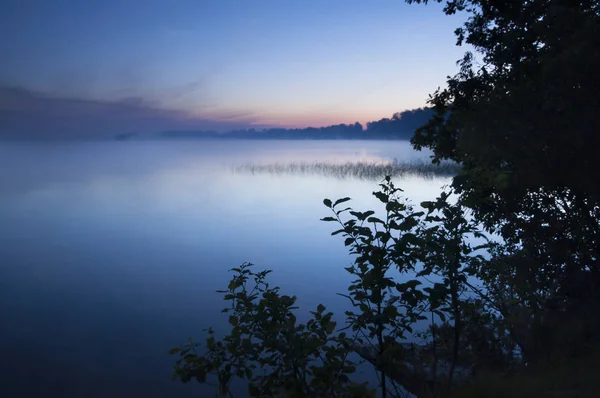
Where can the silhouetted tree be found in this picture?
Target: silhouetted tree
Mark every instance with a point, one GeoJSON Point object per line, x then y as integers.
{"type": "Point", "coordinates": [522, 118]}
{"type": "Point", "coordinates": [402, 125]}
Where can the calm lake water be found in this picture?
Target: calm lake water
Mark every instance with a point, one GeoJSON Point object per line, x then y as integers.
{"type": "Point", "coordinates": [110, 253]}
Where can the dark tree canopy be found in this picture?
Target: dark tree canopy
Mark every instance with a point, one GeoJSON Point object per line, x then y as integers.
{"type": "Point", "coordinates": [527, 115]}
{"type": "Point", "coordinates": [522, 117]}
{"type": "Point", "coordinates": [402, 125]}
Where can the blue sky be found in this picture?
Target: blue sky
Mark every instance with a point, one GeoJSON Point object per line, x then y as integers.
{"type": "Point", "coordinates": [244, 62]}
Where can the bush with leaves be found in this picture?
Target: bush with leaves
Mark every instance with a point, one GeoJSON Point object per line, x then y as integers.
{"type": "Point", "coordinates": [387, 308]}
{"type": "Point", "coordinates": [394, 257]}
{"type": "Point", "coordinates": [268, 348]}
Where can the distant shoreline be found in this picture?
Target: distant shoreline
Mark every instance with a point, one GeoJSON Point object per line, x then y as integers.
{"type": "Point", "coordinates": [228, 137]}
{"type": "Point", "coordinates": [401, 126]}
{"type": "Point", "coordinates": [283, 138]}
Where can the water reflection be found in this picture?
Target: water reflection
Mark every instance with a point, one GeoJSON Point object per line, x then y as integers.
{"type": "Point", "coordinates": [110, 252]}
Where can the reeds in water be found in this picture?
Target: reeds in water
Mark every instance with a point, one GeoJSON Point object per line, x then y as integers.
{"type": "Point", "coordinates": [360, 170]}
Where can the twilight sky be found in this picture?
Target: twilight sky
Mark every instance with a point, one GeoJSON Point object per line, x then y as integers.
{"type": "Point", "coordinates": [90, 68]}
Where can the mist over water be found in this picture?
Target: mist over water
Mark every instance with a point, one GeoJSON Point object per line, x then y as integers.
{"type": "Point", "coordinates": [110, 253]}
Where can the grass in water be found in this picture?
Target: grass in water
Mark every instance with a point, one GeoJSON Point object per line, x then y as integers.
{"type": "Point", "coordinates": [361, 170]}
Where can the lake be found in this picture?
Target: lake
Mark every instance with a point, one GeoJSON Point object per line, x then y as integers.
{"type": "Point", "coordinates": [111, 252]}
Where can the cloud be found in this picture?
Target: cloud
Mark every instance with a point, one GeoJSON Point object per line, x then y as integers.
{"type": "Point", "coordinates": [26, 114]}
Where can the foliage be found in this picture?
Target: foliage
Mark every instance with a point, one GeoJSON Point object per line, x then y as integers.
{"type": "Point", "coordinates": [521, 115]}
{"type": "Point", "coordinates": [269, 349]}
{"type": "Point", "coordinates": [436, 238]}
{"type": "Point", "coordinates": [484, 342]}
{"type": "Point", "coordinates": [521, 118]}
{"type": "Point", "coordinates": [279, 357]}
{"type": "Point", "coordinates": [387, 309]}
{"type": "Point", "coordinates": [474, 330]}
{"type": "Point", "coordinates": [566, 379]}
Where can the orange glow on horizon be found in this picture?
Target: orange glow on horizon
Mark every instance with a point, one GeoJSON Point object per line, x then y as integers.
{"type": "Point", "coordinates": [299, 120]}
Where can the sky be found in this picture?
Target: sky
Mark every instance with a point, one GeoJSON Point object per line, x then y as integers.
{"type": "Point", "coordinates": [114, 66]}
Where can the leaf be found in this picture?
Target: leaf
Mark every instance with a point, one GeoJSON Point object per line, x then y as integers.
{"type": "Point", "coordinates": [360, 215]}
{"type": "Point", "coordinates": [328, 219]}
{"type": "Point", "coordinates": [413, 283]}
{"type": "Point", "coordinates": [327, 202]}
{"type": "Point", "coordinates": [339, 201]}
{"type": "Point", "coordinates": [375, 220]}
{"type": "Point", "coordinates": [234, 284]}
{"type": "Point", "coordinates": [478, 234]}
{"type": "Point", "coordinates": [367, 214]}
{"type": "Point", "coordinates": [210, 342]}
{"type": "Point", "coordinates": [189, 358]}
{"type": "Point", "coordinates": [233, 320]}
{"type": "Point", "coordinates": [381, 196]}
{"type": "Point", "coordinates": [330, 327]}
{"type": "Point", "coordinates": [407, 224]}
{"type": "Point", "coordinates": [356, 214]}
{"type": "Point", "coordinates": [174, 351]}
{"type": "Point", "coordinates": [201, 374]}
{"type": "Point", "coordinates": [427, 205]}
{"type": "Point", "coordinates": [441, 315]}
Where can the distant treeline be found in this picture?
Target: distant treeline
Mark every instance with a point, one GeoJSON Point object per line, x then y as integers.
{"type": "Point", "coordinates": [400, 126]}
